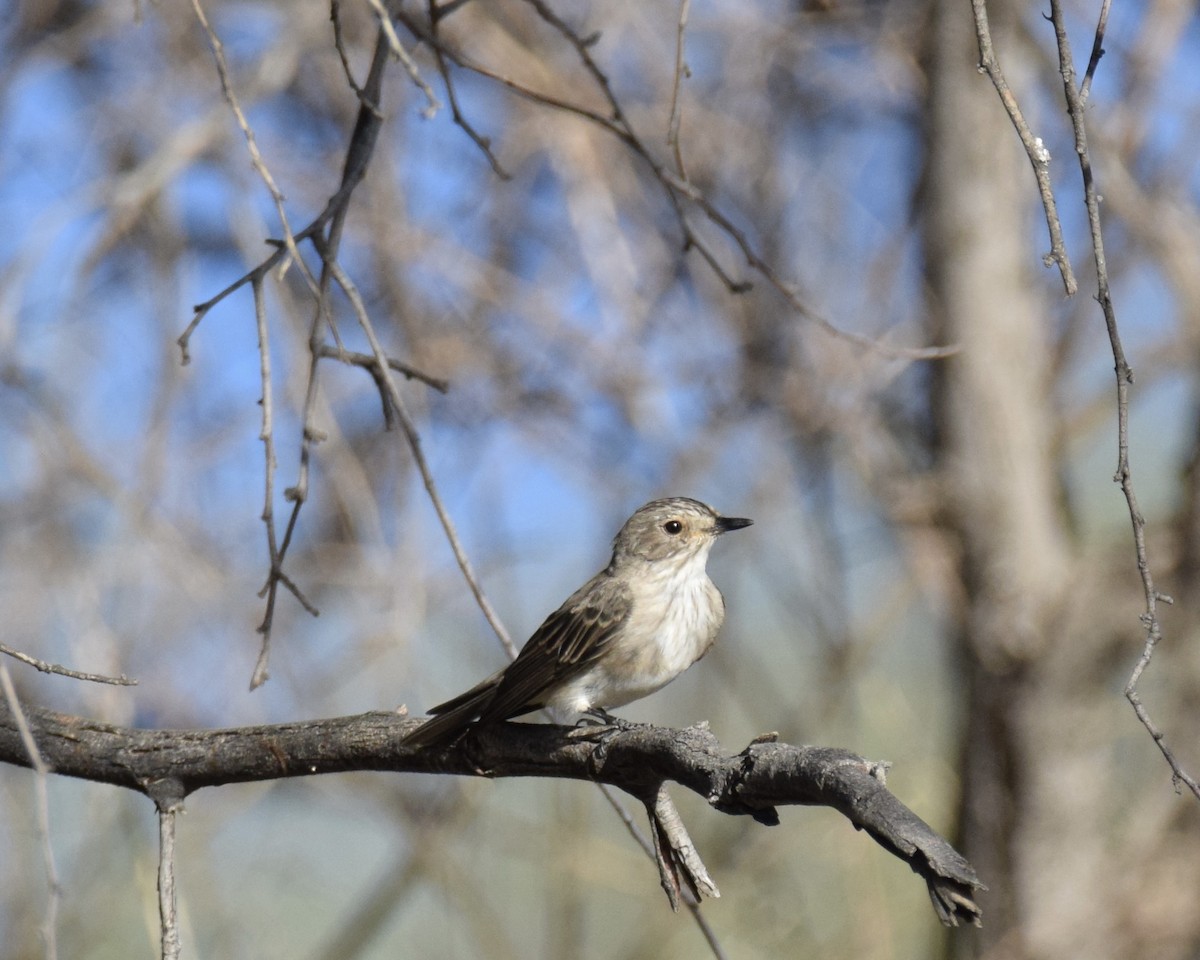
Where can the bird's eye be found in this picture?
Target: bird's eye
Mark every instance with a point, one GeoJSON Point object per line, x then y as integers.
{"type": "Point", "coordinates": [672, 527]}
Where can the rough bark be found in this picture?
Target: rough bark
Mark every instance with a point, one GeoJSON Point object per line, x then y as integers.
{"type": "Point", "coordinates": [638, 759]}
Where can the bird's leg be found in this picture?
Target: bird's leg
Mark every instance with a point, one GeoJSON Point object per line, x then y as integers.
{"type": "Point", "coordinates": [596, 723]}
{"type": "Point", "coordinates": [599, 717]}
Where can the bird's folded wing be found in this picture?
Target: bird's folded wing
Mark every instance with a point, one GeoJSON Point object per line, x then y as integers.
{"type": "Point", "coordinates": [570, 641]}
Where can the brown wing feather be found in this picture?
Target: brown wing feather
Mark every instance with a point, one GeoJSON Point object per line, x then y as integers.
{"type": "Point", "coordinates": [563, 647]}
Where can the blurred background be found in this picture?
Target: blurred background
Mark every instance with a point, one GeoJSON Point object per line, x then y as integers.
{"type": "Point", "coordinates": [941, 573]}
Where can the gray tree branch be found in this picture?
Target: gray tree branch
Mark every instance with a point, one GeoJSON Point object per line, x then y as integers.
{"type": "Point", "coordinates": [638, 759]}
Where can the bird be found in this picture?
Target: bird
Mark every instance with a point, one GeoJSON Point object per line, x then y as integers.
{"type": "Point", "coordinates": [630, 630]}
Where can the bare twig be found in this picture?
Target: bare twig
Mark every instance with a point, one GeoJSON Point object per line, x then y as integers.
{"type": "Point", "coordinates": [41, 779]}
{"type": "Point", "coordinates": [674, 852]}
{"type": "Point", "coordinates": [44, 667]}
{"type": "Point", "coordinates": [398, 51]}
{"type": "Point", "coordinates": [482, 142]}
{"type": "Point", "coordinates": [676, 189]}
{"type": "Point", "coordinates": [267, 435]}
{"type": "Point", "coordinates": [1035, 149]}
{"type": "Point", "coordinates": [1097, 52]}
{"type": "Point", "coordinates": [256, 158]}
{"type": "Point", "coordinates": [681, 71]}
{"type": "Point", "coordinates": [339, 44]}
{"type": "Point", "coordinates": [412, 436]}
{"type": "Point", "coordinates": [366, 361]}
{"type": "Point", "coordinates": [166, 884]}
{"type": "Point", "coordinates": [693, 905]}
{"type": "Point", "coordinates": [1124, 374]}
{"type": "Point", "coordinates": [168, 794]}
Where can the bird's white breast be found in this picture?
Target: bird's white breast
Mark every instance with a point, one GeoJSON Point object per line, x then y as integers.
{"type": "Point", "coordinates": [677, 611]}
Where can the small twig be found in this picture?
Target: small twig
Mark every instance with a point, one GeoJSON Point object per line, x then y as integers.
{"type": "Point", "coordinates": [1035, 149]}
{"type": "Point", "coordinates": [397, 48]}
{"type": "Point", "coordinates": [168, 798]}
{"type": "Point", "coordinates": [41, 779]}
{"type": "Point", "coordinates": [339, 44]}
{"type": "Point", "coordinates": [256, 158]}
{"type": "Point", "coordinates": [676, 112]}
{"type": "Point", "coordinates": [618, 125]}
{"type": "Point", "coordinates": [358, 157]}
{"type": "Point", "coordinates": [675, 853]}
{"type": "Point", "coordinates": [367, 361]}
{"type": "Point", "coordinates": [693, 905]}
{"type": "Point", "coordinates": [1085, 90]}
{"type": "Point", "coordinates": [168, 915]}
{"type": "Point", "coordinates": [267, 436]}
{"type": "Point", "coordinates": [413, 437]}
{"type": "Point", "coordinates": [482, 142]}
{"type": "Point", "coordinates": [44, 667]}
{"type": "Point", "coordinates": [1124, 375]}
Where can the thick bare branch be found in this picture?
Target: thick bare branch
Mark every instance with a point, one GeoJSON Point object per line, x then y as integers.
{"type": "Point", "coordinates": [638, 759]}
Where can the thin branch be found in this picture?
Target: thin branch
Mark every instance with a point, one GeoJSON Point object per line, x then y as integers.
{"type": "Point", "coordinates": [44, 667]}
{"type": "Point", "coordinates": [1035, 149]}
{"type": "Point", "coordinates": [339, 44]}
{"type": "Point", "coordinates": [367, 362]}
{"type": "Point", "coordinates": [637, 759]}
{"type": "Point", "coordinates": [168, 914]}
{"type": "Point", "coordinates": [482, 142]}
{"type": "Point", "coordinates": [398, 51]}
{"type": "Point", "coordinates": [618, 125]}
{"type": "Point", "coordinates": [693, 905]}
{"type": "Point", "coordinates": [31, 756]}
{"type": "Point", "coordinates": [1124, 375]}
{"type": "Point", "coordinates": [675, 118]}
{"type": "Point", "coordinates": [1085, 90]}
{"type": "Point", "coordinates": [678, 862]}
{"type": "Point", "coordinates": [256, 158]}
{"type": "Point", "coordinates": [412, 436]}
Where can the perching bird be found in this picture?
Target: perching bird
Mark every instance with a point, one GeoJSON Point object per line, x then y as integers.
{"type": "Point", "coordinates": [630, 630]}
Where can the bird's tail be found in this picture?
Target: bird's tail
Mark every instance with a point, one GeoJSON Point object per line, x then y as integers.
{"type": "Point", "coordinates": [451, 719]}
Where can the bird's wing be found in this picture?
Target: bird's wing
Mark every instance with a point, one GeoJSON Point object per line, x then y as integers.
{"type": "Point", "coordinates": [477, 693]}
{"type": "Point", "coordinates": [564, 646]}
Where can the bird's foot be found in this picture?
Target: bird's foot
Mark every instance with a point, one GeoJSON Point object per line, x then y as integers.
{"type": "Point", "coordinates": [598, 722]}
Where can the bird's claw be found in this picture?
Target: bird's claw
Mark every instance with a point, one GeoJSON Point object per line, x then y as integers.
{"type": "Point", "coordinates": [597, 718]}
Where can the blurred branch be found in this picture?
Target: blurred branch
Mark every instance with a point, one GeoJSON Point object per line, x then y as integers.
{"type": "Point", "coordinates": [484, 143]}
{"type": "Point", "coordinates": [1085, 89]}
{"type": "Point", "coordinates": [637, 758]}
{"type": "Point", "coordinates": [1039, 155]}
{"type": "Point", "coordinates": [432, 105]}
{"type": "Point", "coordinates": [169, 800]}
{"type": "Point", "coordinates": [325, 234]}
{"type": "Point", "coordinates": [681, 70]}
{"type": "Point", "coordinates": [676, 188]}
{"type": "Point", "coordinates": [1124, 373]}
{"type": "Point", "coordinates": [44, 667]}
{"type": "Point", "coordinates": [25, 742]}
{"type": "Point", "coordinates": [394, 401]}
{"type": "Point", "coordinates": [256, 158]}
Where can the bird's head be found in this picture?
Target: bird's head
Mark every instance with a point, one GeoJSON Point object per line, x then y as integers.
{"type": "Point", "coordinates": [672, 527]}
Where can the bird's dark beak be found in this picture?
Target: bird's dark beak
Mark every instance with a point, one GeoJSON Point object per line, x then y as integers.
{"type": "Point", "coordinates": [725, 524]}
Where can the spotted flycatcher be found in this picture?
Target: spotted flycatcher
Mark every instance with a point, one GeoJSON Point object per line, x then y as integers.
{"type": "Point", "coordinates": [631, 629]}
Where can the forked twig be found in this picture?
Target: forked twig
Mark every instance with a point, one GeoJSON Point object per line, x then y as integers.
{"type": "Point", "coordinates": [1124, 375]}
{"type": "Point", "coordinates": [676, 189]}
{"type": "Point", "coordinates": [44, 667]}
{"type": "Point", "coordinates": [1035, 149]}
